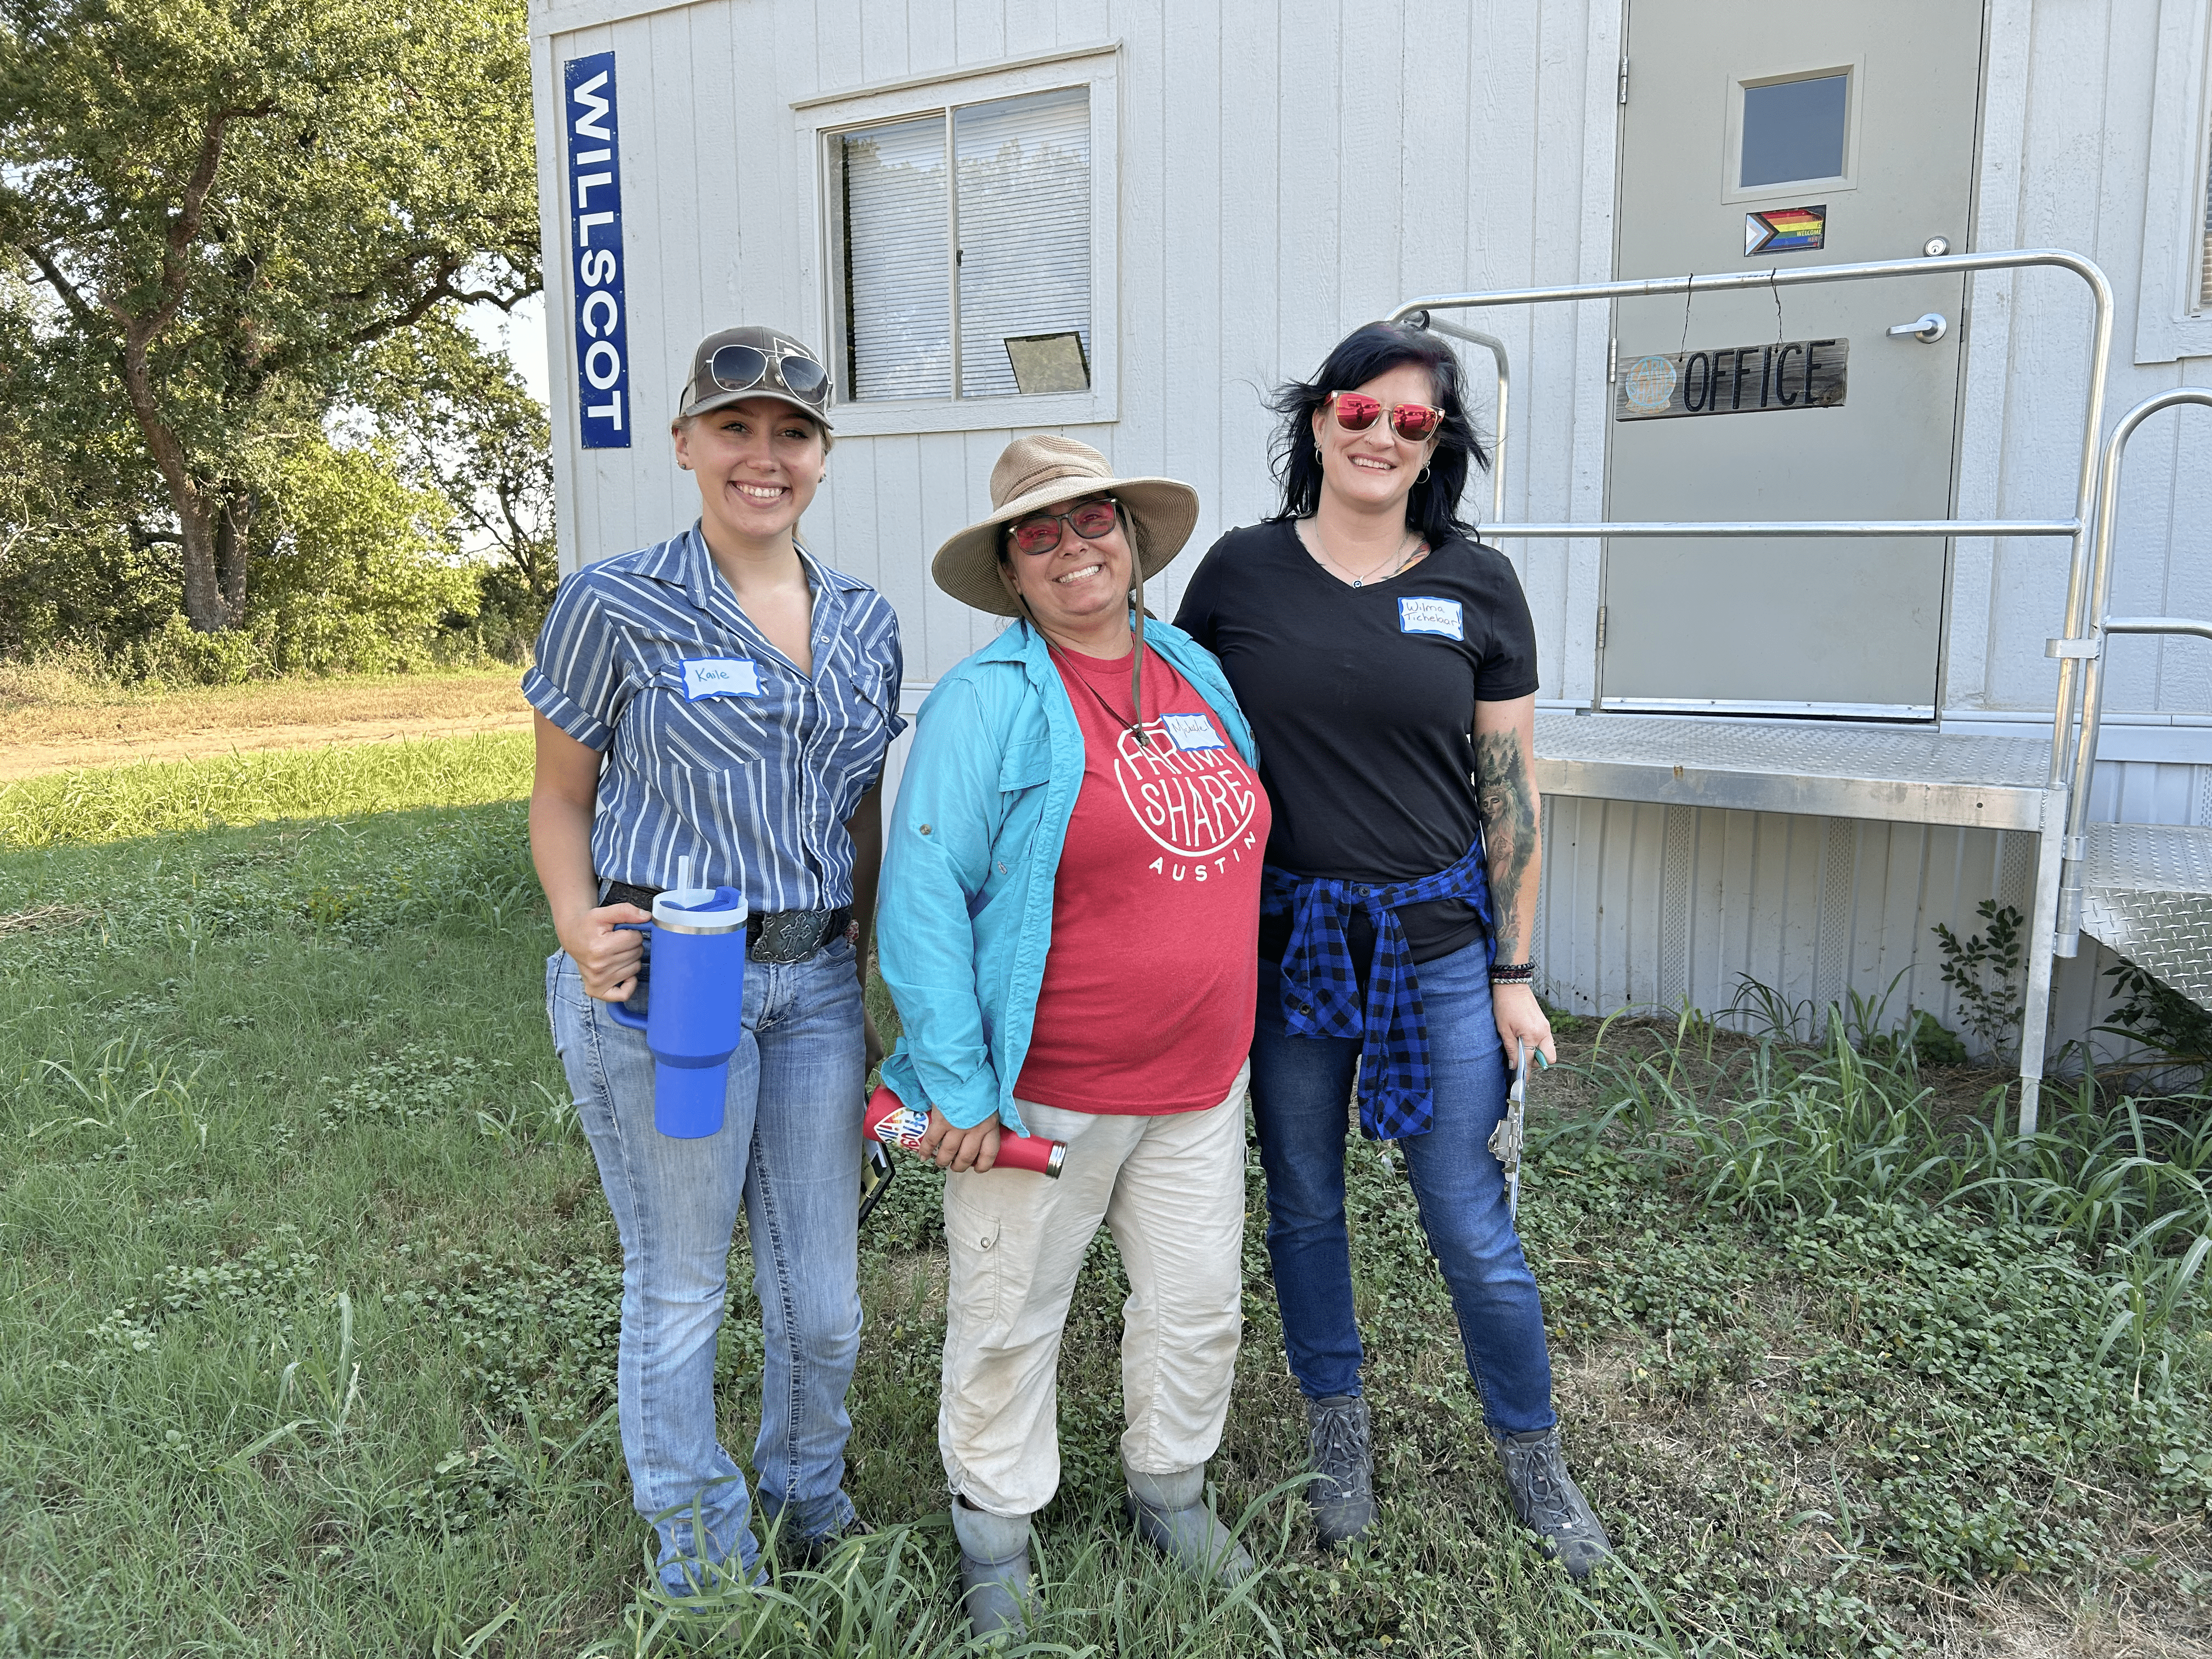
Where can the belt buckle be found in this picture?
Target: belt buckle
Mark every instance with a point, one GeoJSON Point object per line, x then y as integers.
{"type": "Point", "coordinates": [788, 936]}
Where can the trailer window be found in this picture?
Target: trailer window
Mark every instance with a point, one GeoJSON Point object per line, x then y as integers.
{"type": "Point", "coordinates": [963, 248]}
{"type": "Point", "coordinates": [2204, 252]}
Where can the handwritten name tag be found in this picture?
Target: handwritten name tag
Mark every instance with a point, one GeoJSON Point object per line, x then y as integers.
{"type": "Point", "coordinates": [720, 677]}
{"type": "Point", "coordinates": [1431, 616]}
{"type": "Point", "coordinates": [1190, 732]}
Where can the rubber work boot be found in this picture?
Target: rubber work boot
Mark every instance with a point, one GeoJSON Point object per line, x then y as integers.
{"type": "Point", "coordinates": [1171, 1516]}
{"type": "Point", "coordinates": [1549, 1502]}
{"type": "Point", "coordinates": [1343, 1498]}
{"type": "Point", "coordinates": [995, 1570]}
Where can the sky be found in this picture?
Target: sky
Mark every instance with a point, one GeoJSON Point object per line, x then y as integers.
{"type": "Point", "coordinates": [521, 336]}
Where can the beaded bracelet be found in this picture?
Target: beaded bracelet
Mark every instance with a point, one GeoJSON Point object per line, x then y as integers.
{"type": "Point", "coordinates": [1512, 973]}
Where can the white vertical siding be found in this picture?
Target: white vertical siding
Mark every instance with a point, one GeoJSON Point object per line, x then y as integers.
{"type": "Point", "coordinates": [1287, 171]}
{"type": "Point", "coordinates": [1289, 168]}
{"type": "Point", "coordinates": [1644, 905]}
{"type": "Point", "coordinates": [2065, 163]}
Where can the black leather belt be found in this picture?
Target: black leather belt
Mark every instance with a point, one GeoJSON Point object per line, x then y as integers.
{"type": "Point", "coordinates": [770, 936]}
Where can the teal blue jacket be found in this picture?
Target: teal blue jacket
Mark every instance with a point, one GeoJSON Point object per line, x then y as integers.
{"type": "Point", "coordinates": [965, 916]}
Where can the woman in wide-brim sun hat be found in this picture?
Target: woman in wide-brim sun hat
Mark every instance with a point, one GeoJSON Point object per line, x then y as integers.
{"type": "Point", "coordinates": [722, 702]}
{"type": "Point", "coordinates": [1071, 899]}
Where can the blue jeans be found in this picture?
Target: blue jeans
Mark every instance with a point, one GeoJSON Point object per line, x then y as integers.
{"type": "Point", "coordinates": [789, 1151]}
{"type": "Point", "coordinates": [1301, 1090]}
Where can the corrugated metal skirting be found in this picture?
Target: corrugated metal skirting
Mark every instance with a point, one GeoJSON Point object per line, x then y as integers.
{"type": "Point", "coordinates": [1644, 905]}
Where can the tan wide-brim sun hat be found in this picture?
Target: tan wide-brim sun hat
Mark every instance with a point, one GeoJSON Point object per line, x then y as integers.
{"type": "Point", "coordinates": [1035, 473]}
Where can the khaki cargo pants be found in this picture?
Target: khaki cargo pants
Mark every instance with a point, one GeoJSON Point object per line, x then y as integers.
{"type": "Point", "coordinates": [1172, 1190]}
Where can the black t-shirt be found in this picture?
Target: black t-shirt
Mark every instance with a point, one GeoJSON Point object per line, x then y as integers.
{"type": "Point", "coordinates": [1362, 702]}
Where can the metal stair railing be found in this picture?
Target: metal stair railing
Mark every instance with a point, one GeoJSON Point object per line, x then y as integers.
{"type": "Point", "coordinates": [2188, 938]}
{"type": "Point", "coordinates": [2035, 1016]}
{"type": "Point", "coordinates": [1496, 347]}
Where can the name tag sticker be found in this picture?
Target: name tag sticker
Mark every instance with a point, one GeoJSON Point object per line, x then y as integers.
{"type": "Point", "coordinates": [1190, 732]}
{"type": "Point", "coordinates": [720, 677]}
{"type": "Point", "coordinates": [1431, 616]}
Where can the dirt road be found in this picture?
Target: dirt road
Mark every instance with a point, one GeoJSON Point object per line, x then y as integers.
{"type": "Point", "coordinates": [51, 733]}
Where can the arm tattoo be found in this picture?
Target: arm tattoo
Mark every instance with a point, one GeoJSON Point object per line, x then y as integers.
{"type": "Point", "coordinates": [1505, 796]}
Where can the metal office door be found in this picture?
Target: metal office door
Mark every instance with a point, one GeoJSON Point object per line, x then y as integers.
{"type": "Point", "coordinates": [1764, 133]}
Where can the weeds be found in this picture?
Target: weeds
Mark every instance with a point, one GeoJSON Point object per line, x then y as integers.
{"type": "Point", "coordinates": [1985, 969]}
{"type": "Point", "coordinates": [2160, 1019]}
{"type": "Point", "coordinates": [1779, 1128]}
{"type": "Point", "coordinates": [297, 1365]}
{"type": "Point", "coordinates": [2010, 1317]}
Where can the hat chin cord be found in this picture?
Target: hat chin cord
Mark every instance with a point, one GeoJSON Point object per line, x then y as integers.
{"type": "Point", "coordinates": [1136, 655]}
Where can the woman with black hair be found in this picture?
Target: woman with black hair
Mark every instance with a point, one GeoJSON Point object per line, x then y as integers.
{"type": "Point", "coordinates": [1387, 665]}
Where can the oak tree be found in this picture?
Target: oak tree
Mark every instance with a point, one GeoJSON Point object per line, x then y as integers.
{"type": "Point", "coordinates": [231, 199]}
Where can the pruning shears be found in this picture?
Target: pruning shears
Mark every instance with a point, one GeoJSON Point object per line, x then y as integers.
{"type": "Point", "coordinates": [1505, 1141]}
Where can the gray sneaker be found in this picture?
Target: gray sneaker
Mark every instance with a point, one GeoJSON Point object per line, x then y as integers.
{"type": "Point", "coordinates": [1549, 1502]}
{"type": "Point", "coordinates": [1343, 1498]}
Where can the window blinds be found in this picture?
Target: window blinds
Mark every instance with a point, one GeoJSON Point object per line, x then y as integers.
{"type": "Point", "coordinates": [1022, 171]}
{"type": "Point", "coordinates": [1024, 216]}
{"type": "Point", "coordinates": [898, 303]}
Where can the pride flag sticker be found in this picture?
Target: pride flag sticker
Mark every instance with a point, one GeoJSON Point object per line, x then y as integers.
{"type": "Point", "coordinates": [1785, 230]}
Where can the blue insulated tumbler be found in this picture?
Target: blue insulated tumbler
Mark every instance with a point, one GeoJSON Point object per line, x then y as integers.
{"type": "Point", "coordinates": [694, 1021]}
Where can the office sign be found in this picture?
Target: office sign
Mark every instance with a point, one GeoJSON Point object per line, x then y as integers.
{"type": "Point", "coordinates": [596, 251]}
{"type": "Point", "coordinates": [1781, 375]}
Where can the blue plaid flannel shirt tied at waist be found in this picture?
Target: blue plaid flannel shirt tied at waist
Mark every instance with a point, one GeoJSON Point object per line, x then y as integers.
{"type": "Point", "coordinates": [1320, 987]}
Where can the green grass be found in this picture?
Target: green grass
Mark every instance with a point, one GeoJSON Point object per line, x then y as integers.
{"type": "Point", "coordinates": [95, 805]}
{"type": "Point", "coordinates": [308, 1299]}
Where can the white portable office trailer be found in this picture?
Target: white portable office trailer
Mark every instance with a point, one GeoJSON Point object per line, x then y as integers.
{"type": "Point", "coordinates": [940, 193]}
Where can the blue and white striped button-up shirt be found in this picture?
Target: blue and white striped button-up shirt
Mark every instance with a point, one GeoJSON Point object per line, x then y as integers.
{"type": "Point", "coordinates": [716, 745]}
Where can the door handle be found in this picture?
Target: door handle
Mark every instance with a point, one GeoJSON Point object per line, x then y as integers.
{"type": "Point", "coordinates": [1929, 330]}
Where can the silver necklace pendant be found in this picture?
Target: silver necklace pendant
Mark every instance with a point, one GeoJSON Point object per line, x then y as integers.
{"type": "Point", "coordinates": [1357, 580]}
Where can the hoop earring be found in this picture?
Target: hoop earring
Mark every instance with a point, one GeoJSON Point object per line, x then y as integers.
{"type": "Point", "coordinates": [1424, 476]}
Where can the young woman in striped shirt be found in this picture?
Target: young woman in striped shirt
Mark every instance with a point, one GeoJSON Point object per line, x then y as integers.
{"type": "Point", "coordinates": [723, 698]}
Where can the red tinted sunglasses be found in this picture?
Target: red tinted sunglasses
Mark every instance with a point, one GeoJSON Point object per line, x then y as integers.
{"type": "Point", "coordinates": [1356, 411]}
{"type": "Point", "coordinates": [1042, 533]}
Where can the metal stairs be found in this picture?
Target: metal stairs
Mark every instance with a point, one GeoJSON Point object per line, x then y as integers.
{"type": "Point", "coordinates": [2147, 894]}
{"type": "Point", "coordinates": [2144, 890]}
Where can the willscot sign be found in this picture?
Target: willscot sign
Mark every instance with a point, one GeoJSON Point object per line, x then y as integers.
{"type": "Point", "coordinates": [596, 241]}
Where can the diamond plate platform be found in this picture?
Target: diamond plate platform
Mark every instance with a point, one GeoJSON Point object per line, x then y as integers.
{"type": "Point", "coordinates": [2146, 892]}
{"type": "Point", "coordinates": [1832, 770]}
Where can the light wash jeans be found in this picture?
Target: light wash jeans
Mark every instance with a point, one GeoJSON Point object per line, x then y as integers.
{"type": "Point", "coordinates": [789, 1150]}
{"type": "Point", "coordinates": [1301, 1106]}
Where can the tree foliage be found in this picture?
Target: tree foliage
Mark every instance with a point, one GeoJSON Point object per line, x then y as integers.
{"type": "Point", "coordinates": [230, 202]}
{"type": "Point", "coordinates": [461, 422]}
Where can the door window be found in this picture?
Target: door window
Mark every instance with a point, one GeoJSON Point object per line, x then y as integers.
{"type": "Point", "coordinates": [1794, 130]}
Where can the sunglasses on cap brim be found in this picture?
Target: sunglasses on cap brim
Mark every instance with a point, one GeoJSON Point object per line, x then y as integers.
{"type": "Point", "coordinates": [747, 368]}
{"type": "Point", "coordinates": [1415, 422]}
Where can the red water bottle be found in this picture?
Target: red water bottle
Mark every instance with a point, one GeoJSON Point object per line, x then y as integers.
{"type": "Point", "coordinates": [895, 1123]}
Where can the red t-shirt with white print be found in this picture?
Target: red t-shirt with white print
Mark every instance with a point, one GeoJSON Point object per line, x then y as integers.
{"type": "Point", "coordinates": [1146, 1004]}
